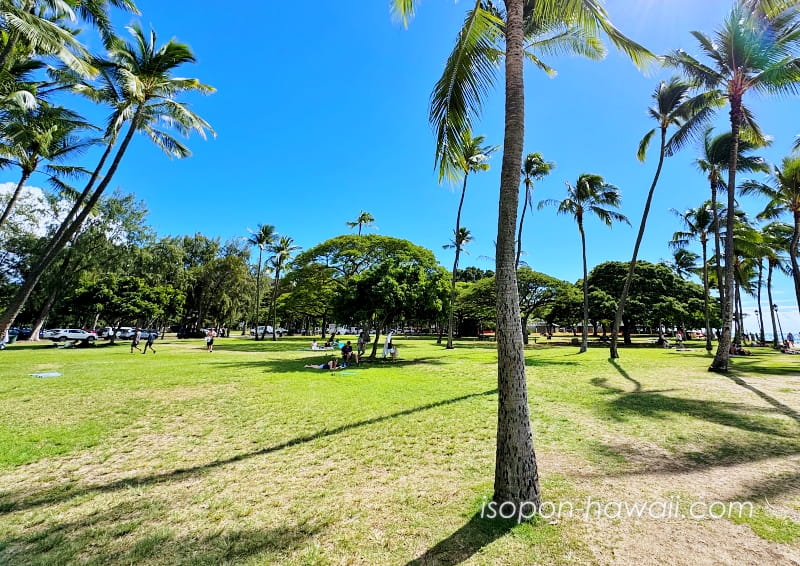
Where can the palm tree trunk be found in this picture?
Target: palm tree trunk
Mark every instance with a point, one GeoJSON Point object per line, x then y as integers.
{"type": "Point", "coordinates": [275, 304]}
{"type": "Point", "coordinates": [793, 256]}
{"type": "Point", "coordinates": [717, 244]}
{"type": "Point", "coordinates": [737, 295]}
{"type": "Point", "coordinates": [521, 222]}
{"type": "Point", "coordinates": [66, 231]}
{"type": "Point", "coordinates": [771, 311]}
{"type": "Point", "coordinates": [758, 298]}
{"type": "Point", "coordinates": [516, 477]}
{"type": "Point", "coordinates": [706, 295]}
{"type": "Point", "coordinates": [720, 362]}
{"type": "Point", "coordinates": [258, 292]}
{"type": "Point", "coordinates": [15, 196]}
{"type": "Point", "coordinates": [585, 329]}
{"type": "Point", "coordinates": [632, 267]}
{"type": "Point", "coordinates": [451, 315]}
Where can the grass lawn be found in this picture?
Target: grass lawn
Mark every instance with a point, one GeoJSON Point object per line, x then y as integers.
{"type": "Point", "coordinates": [242, 456]}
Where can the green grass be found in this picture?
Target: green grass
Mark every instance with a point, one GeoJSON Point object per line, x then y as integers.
{"type": "Point", "coordinates": [242, 456]}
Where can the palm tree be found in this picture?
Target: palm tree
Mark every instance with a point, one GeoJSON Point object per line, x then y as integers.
{"type": "Point", "coordinates": [45, 134]}
{"type": "Point", "coordinates": [138, 83]}
{"type": "Point", "coordinates": [590, 195]}
{"type": "Point", "coordinates": [698, 222]}
{"type": "Point", "coordinates": [364, 219]}
{"type": "Point", "coordinates": [714, 163]}
{"type": "Point", "coordinates": [263, 237]}
{"type": "Point", "coordinates": [516, 477]}
{"type": "Point", "coordinates": [749, 52]}
{"type": "Point", "coordinates": [783, 193]}
{"type": "Point", "coordinates": [534, 167]}
{"type": "Point", "coordinates": [777, 237]}
{"type": "Point", "coordinates": [282, 252]}
{"type": "Point", "coordinates": [673, 107]}
{"type": "Point", "coordinates": [684, 263]}
{"type": "Point", "coordinates": [460, 239]}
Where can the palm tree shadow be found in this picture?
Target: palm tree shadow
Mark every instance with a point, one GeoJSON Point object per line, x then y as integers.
{"type": "Point", "coordinates": [785, 409]}
{"type": "Point", "coordinates": [637, 387]}
{"type": "Point", "coordinates": [477, 533]}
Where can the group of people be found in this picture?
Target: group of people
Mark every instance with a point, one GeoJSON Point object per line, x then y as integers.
{"type": "Point", "coordinates": [137, 338]}
{"type": "Point", "coordinates": [351, 355]}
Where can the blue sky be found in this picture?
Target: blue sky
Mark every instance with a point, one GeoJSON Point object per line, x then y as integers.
{"type": "Point", "coordinates": [322, 114]}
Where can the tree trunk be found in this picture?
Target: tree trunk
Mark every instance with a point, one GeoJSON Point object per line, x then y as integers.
{"type": "Point", "coordinates": [14, 197]}
{"type": "Point", "coordinates": [275, 305]}
{"type": "Point", "coordinates": [717, 244]}
{"type": "Point", "coordinates": [43, 314]}
{"type": "Point", "coordinates": [516, 478]}
{"type": "Point", "coordinates": [706, 296]}
{"type": "Point", "coordinates": [258, 292]}
{"type": "Point", "coordinates": [585, 330]}
{"type": "Point", "coordinates": [455, 264]}
{"type": "Point", "coordinates": [632, 266]}
{"type": "Point", "coordinates": [793, 256]}
{"type": "Point", "coordinates": [521, 222]}
{"type": "Point", "coordinates": [771, 310]}
{"type": "Point", "coordinates": [67, 230]}
{"type": "Point", "coordinates": [722, 356]}
{"type": "Point", "coordinates": [761, 338]}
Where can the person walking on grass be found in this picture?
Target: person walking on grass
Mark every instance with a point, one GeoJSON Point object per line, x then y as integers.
{"type": "Point", "coordinates": [137, 336]}
{"type": "Point", "coordinates": [151, 337]}
{"type": "Point", "coordinates": [210, 339]}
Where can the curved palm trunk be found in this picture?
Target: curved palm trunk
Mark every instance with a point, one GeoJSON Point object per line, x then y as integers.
{"type": "Point", "coordinates": [516, 478]}
{"type": "Point", "coordinates": [758, 298]}
{"type": "Point", "coordinates": [722, 356]}
{"type": "Point", "coordinates": [771, 312]}
{"type": "Point", "coordinates": [67, 230]}
{"type": "Point", "coordinates": [793, 256]}
{"type": "Point", "coordinates": [14, 197]}
{"type": "Point", "coordinates": [738, 313]}
{"type": "Point", "coordinates": [632, 267]}
{"type": "Point", "coordinates": [585, 330]}
{"type": "Point", "coordinates": [717, 244]}
{"type": "Point", "coordinates": [275, 304]}
{"type": "Point", "coordinates": [706, 294]}
{"type": "Point", "coordinates": [258, 292]}
{"type": "Point", "coordinates": [455, 265]}
{"type": "Point", "coordinates": [521, 222]}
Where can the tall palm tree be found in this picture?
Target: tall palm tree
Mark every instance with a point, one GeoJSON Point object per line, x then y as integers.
{"type": "Point", "coordinates": [714, 162]}
{"type": "Point", "coordinates": [516, 477]}
{"type": "Point", "coordinates": [45, 134]}
{"type": "Point", "coordinates": [590, 195]}
{"type": "Point", "coordinates": [364, 219]}
{"type": "Point", "coordinates": [460, 239]}
{"type": "Point", "coordinates": [263, 237]}
{"type": "Point", "coordinates": [777, 237]}
{"type": "Point", "coordinates": [138, 83]}
{"type": "Point", "coordinates": [534, 167]}
{"type": "Point", "coordinates": [698, 223]}
{"type": "Point", "coordinates": [748, 53]}
{"type": "Point", "coordinates": [783, 193]}
{"type": "Point", "coordinates": [673, 107]}
{"type": "Point", "coordinates": [684, 263]}
{"type": "Point", "coordinates": [282, 252]}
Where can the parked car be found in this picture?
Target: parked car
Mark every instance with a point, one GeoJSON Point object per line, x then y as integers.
{"type": "Point", "coordinates": [73, 334]}
{"type": "Point", "coordinates": [262, 330]}
{"type": "Point", "coordinates": [146, 333]}
{"type": "Point", "coordinates": [20, 333]}
{"type": "Point", "coordinates": [125, 332]}
{"type": "Point", "coordinates": [48, 334]}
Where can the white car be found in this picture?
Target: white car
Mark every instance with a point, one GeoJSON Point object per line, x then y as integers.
{"type": "Point", "coordinates": [64, 334]}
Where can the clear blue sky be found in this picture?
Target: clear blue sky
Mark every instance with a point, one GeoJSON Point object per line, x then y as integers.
{"type": "Point", "coordinates": [322, 114]}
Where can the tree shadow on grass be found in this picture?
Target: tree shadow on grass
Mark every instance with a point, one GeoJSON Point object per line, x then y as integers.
{"type": "Point", "coordinates": [465, 542]}
{"type": "Point", "coordinates": [298, 364]}
{"type": "Point", "coordinates": [637, 386]}
{"type": "Point", "coordinates": [754, 365]}
{"type": "Point", "coordinates": [93, 539]}
{"type": "Point", "coordinates": [785, 409]}
{"type": "Point", "coordinates": [65, 492]}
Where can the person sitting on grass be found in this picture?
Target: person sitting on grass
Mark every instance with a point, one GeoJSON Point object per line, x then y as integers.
{"type": "Point", "coordinates": [348, 353]}
{"type": "Point", "coordinates": [392, 350]}
{"type": "Point", "coordinates": [737, 350]}
{"type": "Point", "coordinates": [332, 364]}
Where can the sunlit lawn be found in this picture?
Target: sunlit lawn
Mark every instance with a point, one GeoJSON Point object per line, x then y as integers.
{"type": "Point", "coordinates": [242, 456]}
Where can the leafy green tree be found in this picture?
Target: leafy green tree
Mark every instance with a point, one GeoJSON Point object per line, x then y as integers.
{"type": "Point", "coordinates": [533, 168]}
{"type": "Point", "coordinates": [590, 195]}
{"type": "Point", "coordinates": [364, 219]}
{"type": "Point", "coordinates": [138, 82]}
{"type": "Point", "coordinates": [673, 107]}
{"type": "Point", "coordinates": [263, 237]}
{"type": "Point", "coordinates": [749, 53]}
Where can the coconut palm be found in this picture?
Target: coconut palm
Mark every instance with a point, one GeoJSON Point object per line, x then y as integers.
{"type": "Point", "coordinates": [45, 134]}
{"type": "Point", "coordinates": [263, 237]}
{"type": "Point", "coordinates": [364, 219]}
{"type": "Point", "coordinates": [783, 192]}
{"type": "Point", "coordinates": [590, 195]}
{"type": "Point", "coordinates": [698, 223]}
{"type": "Point", "coordinates": [684, 263]}
{"type": "Point", "coordinates": [138, 83]}
{"type": "Point", "coordinates": [534, 167]}
{"type": "Point", "coordinates": [282, 252]}
{"type": "Point", "coordinates": [673, 107]}
{"type": "Point", "coordinates": [748, 53]}
{"type": "Point", "coordinates": [777, 237]}
{"type": "Point", "coordinates": [516, 476]}
{"type": "Point", "coordinates": [460, 238]}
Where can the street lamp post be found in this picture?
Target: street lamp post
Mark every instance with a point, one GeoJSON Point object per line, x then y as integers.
{"type": "Point", "coordinates": [775, 309]}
